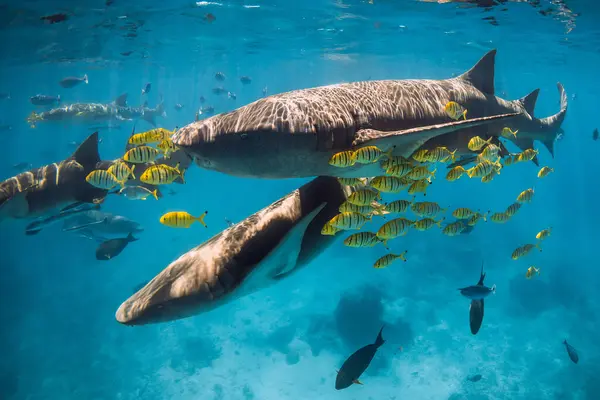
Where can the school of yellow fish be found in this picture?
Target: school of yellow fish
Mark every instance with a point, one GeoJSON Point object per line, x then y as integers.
{"type": "Point", "coordinates": [156, 174]}
{"type": "Point", "coordinates": [415, 175]}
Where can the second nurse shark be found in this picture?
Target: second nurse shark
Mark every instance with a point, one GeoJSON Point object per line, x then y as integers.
{"type": "Point", "coordinates": [293, 135]}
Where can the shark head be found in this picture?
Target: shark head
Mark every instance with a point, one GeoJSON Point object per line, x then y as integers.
{"type": "Point", "coordinates": [253, 254]}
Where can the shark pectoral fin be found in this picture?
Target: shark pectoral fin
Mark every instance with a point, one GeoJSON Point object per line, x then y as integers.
{"type": "Point", "coordinates": [409, 140]}
{"type": "Point", "coordinates": [282, 258]}
{"type": "Point", "coordinates": [549, 143]}
{"type": "Point", "coordinates": [16, 206]}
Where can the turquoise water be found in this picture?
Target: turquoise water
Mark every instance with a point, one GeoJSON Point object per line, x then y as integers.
{"type": "Point", "coordinates": [59, 335]}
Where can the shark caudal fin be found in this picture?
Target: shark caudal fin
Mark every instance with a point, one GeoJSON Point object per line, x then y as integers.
{"type": "Point", "coordinates": [551, 125]}
{"type": "Point", "coordinates": [528, 102]}
{"type": "Point", "coordinates": [481, 76]}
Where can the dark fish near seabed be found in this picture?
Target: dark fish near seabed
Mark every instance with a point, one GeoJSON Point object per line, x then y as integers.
{"type": "Point", "coordinates": [178, 107]}
{"type": "Point", "coordinates": [476, 309]}
{"type": "Point", "coordinates": [4, 96]}
{"type": "Point", "coordinates": [572, 352]}
{"type": "Point", "coordinates": [147, 88]}
{"type": "Point", "coordinates": [357, 363]}
{"type": "Point", "coordinates": [595, 134]}
{"type": "Point", "coordinates": [219, 90]}
{"type": "Point", "coordinates": [477, 292]}
{"type": "Point", "coordinates": [113, 247]}
{"type": "Point", "coordinates": [73, 81]}
{"type": "Point", "coordinates": [245, 80]}
{"type": "Point", "coordinates": [202, 99]}
{"type": "Point", "coordinates": [220, 76]}
{"type": "Point", "coordinates": [36, 226]}
{"type": "Point", "coordinates": [44, 100]}
{"type": "Point", "coordinates": [474, 378]}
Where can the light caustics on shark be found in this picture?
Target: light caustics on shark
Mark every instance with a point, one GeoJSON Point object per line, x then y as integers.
{"type": "Point", "coordinates": [262, 249]}
{"type": "Point", "coordinates": [294, 134]}
{"type": "Point", "coordinates": [118, 110]}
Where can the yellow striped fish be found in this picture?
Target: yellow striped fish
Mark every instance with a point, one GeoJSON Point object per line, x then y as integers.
{"type": "Point", "coordinates": [343, 159]}
{"type": "Point", "coordinates": [455, 110]}
{"type": "Point", "coordinates": [489, 153]}
{"type": "Point", "coordinates": [455, 173]}
{"type": "Point", "coordinates": [371, 154]}
{"type": "Point", "coordinates": [161, 174]}
{"type": "Point", "coordinates": [427, 223]}
{"type": "Point", "coordinates": [440, 154]}
{"type": "Point", "coordinates": [463, 213]}
{"type": "Point", "coordinates": [512, 209]}
{"type": "Point", "coordinates": [543, 234]}
{"type": "Point", "coordinates": [373, 208]}
{"type": "Point", "coordinates": [511, 159]}
{"type": "Point", "coordinates": [364, 197]}
{"type": "Point", "coordinates": [121, 171]}
{"type": "Point", "coordinates": [524, 250]}
{"type": "Point", "coordinates": [476, 218]}
{"type": "Point", "coordinates": [396, 160]}
{"type": "Point", "coordinates": [167, 147]}
{"type": "Point", "coordinates": [362, 239]}
{"type": "Point", "coordinates": [544, 172]}
{"type": "Point", "coordinates": [102, 179]}
{"type": "Point", "coordinates": [420, 155]}
{"type": "Point", "coordinates": [181, 219]}
{"type": "Point", "coordinates": [141, 155]}
{"type": "Point", "coordinates": [526, 196]}
{"type": "Point", "coordinates": [489, 177]}
{"type": "Point", "coordinates": [499, 218]}
{"type": "Point", "coordinates": [388, 259]}
{"type": "Point", "coordinates": [329, 230]}
{"type": "Point", "coordinates": [454, 228]}
{"type": "Point", "coordinates": [531, 272]}
{"type": "Point", "coordinates": [388, 184]}
{"type": "Point", "coordinates": [528, 155]}
{"type": "Point", "coordinates": [421, 172]}
{"type": "Point", "coordinates": [399, 170]}
{"type": "Point", "coordinates": [353, 181]}
{"type": "Point", "coordinates": [509, 133]}
{"type": "Point", "coordinates": [393, 229]}
{"type": "Point", "coordinates": [419, 187]}
{"type": "Point", "coordinates": [151, 136]}
{"type": "Point", "coordinates": [482, 169]}
{"type": "Point", "coordinates": [476, 143]}
{"type": "Point", "coordinates": [426, 209]}
{"type": "Point", "coordinates": [398, 206]}
{"type": "Point", "coordinates": [348, 221]}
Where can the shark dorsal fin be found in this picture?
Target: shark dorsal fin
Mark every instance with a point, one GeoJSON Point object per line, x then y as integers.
{"type": "Point", "coordinates": [87, 152]}
{"type": "Point", "coordinates": [481, 76]}
{"type": "Point", "coordinates": [121, 101]}
{"type": "Point", "coordinates": [528, 101]}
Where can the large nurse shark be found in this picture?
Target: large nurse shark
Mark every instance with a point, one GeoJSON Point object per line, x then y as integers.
{"type": "Point", "coordinates": [117, 110]}
{"type": "Point", "coordinates": [294, 134]}
{"type": "Point", "coordinates": [266, 247]}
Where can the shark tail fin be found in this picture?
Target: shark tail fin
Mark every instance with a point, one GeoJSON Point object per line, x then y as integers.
{"type": "Point", "coordinates": [379, 341]}
{"type": "Point", "coordinates": [552, 124]}
{"type": "Point", "coordinates": [85, 79]}
{"type": "Point", "coordinates": [481, 76]}
{"type": "Point", "coordinates": [528, 102]}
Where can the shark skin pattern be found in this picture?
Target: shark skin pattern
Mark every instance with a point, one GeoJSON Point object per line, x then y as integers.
{"type": "Point", "coordinates": [294, 134]}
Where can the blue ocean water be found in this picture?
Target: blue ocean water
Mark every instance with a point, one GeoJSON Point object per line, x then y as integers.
{"type": "Point", "coordinates": [59, 337]}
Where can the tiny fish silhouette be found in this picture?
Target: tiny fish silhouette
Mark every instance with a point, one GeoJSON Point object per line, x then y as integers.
{"type": "Point", "coordinates": [571, 351]}
{"type": "Point", "coordinates": [73, 81]}
{"type": "Point", "coordinates": [147, 88]}
{"type": "Point", "coordinates": [357, 363]}
{"type": "Point", "coordinates": [595, 134]}
{"type": "Point", "coordinates": [111, 248]}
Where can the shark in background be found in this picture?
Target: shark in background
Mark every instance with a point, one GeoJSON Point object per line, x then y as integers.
{"type": "Point", "coordinates": [294, 134]}
{"type": "Point", "coordinates": [87, 113]}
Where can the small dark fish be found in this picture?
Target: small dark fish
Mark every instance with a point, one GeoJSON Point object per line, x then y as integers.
{"type": "Point", "coordinates": [229, 223]}
{"type": "Point", "coordinates": [219, 90]}
{"type": "Point", "coordinates": [109, 3]}
{"type": "Point", "coordinates": [209, 18]}
{"type": "Point", "coordinates": [476, 309]}
{"type": "Point", "coordinates": [127, 53]}
{"type": "Point", "coordinates": [113, 247]}
{"type": "Point", "coordinates": [220, 76]}
{"type": "Point", "coordinates": [22, 166]}
{"type": "Point", "coordinates": [474, 378]}
{"type": "Point", "coordinates": [178, 107]}
{"type": "Point", "coordinates": [264, 91]}
{"type": "Point", "coordinates": [231, 95]}
{"type": "Point", "coordinates": [43, 100]}
{"type": "Point", "coordinates": [4, 96]}
{"type": "Point", "coordinates": [73, 81]}
{"type": "Point", "coordinates": [202, 99]}
{"type": "Point", "coordinates": [357, 363]}
{"type": "Point", "coordinates": [246, 80]}
{"type": "Point", "coordinates": [55, 18]}
{"type": "Point", "coordinates": [572, 352]}
{"type": "Point", "coordinates": [147, 88]}
{"type": "Point", "coordinates": [6, 127]}
{"type": "Point", "coordinates": [595, 134]}
{"type": "Point", "coordinates": [477, 292]}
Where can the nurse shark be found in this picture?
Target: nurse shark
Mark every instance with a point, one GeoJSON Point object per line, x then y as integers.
{"type": "Point", "coordinates": [118, 110]}
{"type": "Point", "coordinates": [261, 250]}
{"type": "Point", "coordinates": [294, 134]}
